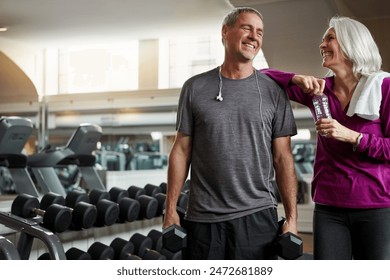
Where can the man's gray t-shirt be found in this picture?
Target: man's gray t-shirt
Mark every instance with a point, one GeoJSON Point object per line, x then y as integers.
{"type": "Point", "coordinates": [231, 165]}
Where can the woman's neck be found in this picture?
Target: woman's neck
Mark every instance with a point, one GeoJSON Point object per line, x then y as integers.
{"type": "Point", "coordinates": [345, 82]}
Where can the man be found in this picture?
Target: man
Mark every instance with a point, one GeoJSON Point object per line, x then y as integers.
{"type": "Point", "coordinates": [233, 130]}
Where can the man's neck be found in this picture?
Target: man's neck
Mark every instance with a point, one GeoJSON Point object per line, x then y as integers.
{"type": "Point", "coordinates": [236, 71]}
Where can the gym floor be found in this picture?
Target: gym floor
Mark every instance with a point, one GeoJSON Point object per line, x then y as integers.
{"type": "Point", "coordinates": [307, 242]}
{"type": "Point", "coordinates": [307, 246]}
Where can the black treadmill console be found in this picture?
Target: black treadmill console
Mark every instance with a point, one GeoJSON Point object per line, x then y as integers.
{"type": "Point", "coordinates": [14, 134]}
{"type": "Point", "coordinates": [84, 140]}
{"type": "Point", "coordinates": [77, 151]}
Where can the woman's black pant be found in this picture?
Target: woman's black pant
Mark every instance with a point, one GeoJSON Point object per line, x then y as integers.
{"type": "Point", "coordinates": [345, 234]}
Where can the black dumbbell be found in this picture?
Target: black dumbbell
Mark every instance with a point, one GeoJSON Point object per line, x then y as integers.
{"type": "Point", "coordinates": [174, 238]}
{"type": "Point", "coordinates": [129, 208]}
{"type": "Point", "coordinates": [143, 247]}
{"type": "Point", "coordinates": [116, 194]}
{"type": "Point", "coordinates": [161, 198]}
{"type": "Point", "coordinates": [107, 211]}
{"type": "Point", "coordinates": [152, 190]}
{"type": "Point", "coordinates": [123, 249]}
{"type": "Point", "coordinates": [83, 214]}
{"type": "Point", "coordinates": [289, 246]}
{"type": "Point", "coordinates": [77, 254]}
{"type": "Point", "coordinates": [148, 204]}
{"type": "Point", "coordinates": [44, 256]}
{"type": "Point", "coordinates": [100, 251]}
{"type": "Point", "coordinates": [72, 254]}
{"type": "Point", "coordinates": [163, 186]}
{"type": "Point", "coordinates": [56, 218]}
{"type": "Point", "coordinates": [156, 237]}
{"type": "Point", "coordinates": [135, 192]}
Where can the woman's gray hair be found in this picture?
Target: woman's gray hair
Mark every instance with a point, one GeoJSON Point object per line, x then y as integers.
{"type": "Point", "coordinates": [357, 45]}
{"type": "Point", "coordinates": [231, 18]}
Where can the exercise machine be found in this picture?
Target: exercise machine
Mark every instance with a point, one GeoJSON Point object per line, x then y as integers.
{"type": "Point", "coordinates": [78, 151]}
{"type": "Point", "coordinates": [14, 134]}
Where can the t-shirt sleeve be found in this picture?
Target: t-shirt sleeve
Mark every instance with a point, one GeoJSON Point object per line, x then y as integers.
{"type": "Point", "coordinates": [284, 121]}
{"type": "Point", "coordinates": [184, 123]}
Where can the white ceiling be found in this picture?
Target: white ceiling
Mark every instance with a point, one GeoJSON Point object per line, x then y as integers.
{"type": "Point", "coordinates": [293, 28]}
{"type": "Point", "coordinates": [59, 22]}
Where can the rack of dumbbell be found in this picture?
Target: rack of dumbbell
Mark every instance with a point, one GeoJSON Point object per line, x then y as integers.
{"type": "Point", "coordinates": [54, 215]}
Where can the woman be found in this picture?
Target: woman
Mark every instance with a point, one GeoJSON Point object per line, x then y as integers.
{"type": "Point", "coordinates": [351, 180]}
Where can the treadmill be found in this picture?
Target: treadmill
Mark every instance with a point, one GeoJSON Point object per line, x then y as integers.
{"type": "Point", "coordinates": [78, 151]}
{"type": "Point", "coordinates": [14, 134]}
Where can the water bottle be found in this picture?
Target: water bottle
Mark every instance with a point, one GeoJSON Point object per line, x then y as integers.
{"type": "Point", "coordinates": [321, 107]}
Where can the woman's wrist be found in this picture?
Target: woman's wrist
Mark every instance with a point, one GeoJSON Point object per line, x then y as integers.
{"type": "Point", "coordinates": [357, 141]}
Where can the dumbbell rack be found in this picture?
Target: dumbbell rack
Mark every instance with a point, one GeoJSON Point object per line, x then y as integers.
{"type": "Point", "coordinates": [7, 250]}
{"type": "Point", "coordinates": [30, 229]}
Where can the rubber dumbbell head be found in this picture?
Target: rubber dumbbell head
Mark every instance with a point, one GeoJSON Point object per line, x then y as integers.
{"type": "Point", "coordinates": [142, 247]}
{"type": "Point", "coordinates": [163, 186]}
{"type": "Point", "coordinates": [123, 249]}
{"type": "Point", "coordinates": [77, 254]}
{"type": "Point", "coordinates": [96, 195]}
{"type": "Point", "coordinates": [108, 212]}
{"type": "Point", "coordinates": [116, 194]}
{"type": "Point", "coordinates": [44, 256]}
{"type": "Point", "coordinates": [51, 198]}
{"type": "Point", "coordinates": [100, 251]}
{"type": "Point", "coordinates": [161, 198]}
{"type": "Point", "coordinates": [152, 190]}
{"type": "Point", "coordinates": [171, 255]}
{"type": "Point", "coordinates": [57, 218]}
{"type": "Point", "coordinates": [134, 192]}
{"type": "Point", "coordinates": [84, 215]}
{"type": "Point", "coordinates": [149, 206]}
{"type": "Point", "coordinates": [129, 209]}
{"type": "Point", "coordinates": [156, 237]}
{"type": "Point", "coordinates": [289, 246]}
{"type": "Point", "coordinates": [174, 238]}
{"type": "Point", "coordinates": [74, 197]}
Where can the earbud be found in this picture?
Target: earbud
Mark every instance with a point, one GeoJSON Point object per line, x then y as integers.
{"type": "Point", "coordinates": [219, 98]}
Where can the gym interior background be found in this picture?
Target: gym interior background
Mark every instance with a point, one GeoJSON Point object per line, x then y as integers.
{"type": "Point", "coordinates": [119, 65]}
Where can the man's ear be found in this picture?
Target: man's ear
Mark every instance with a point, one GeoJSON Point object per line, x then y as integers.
{"type": "Point", "coordinates": [224, 32]}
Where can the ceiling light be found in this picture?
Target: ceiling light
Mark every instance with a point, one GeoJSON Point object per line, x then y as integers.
{"type": "Point", "coordinates": [3, 29]}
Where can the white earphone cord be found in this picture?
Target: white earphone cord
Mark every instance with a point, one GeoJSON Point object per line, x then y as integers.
{"type": "Point", "coordinates": [219, 96]}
